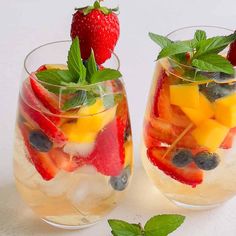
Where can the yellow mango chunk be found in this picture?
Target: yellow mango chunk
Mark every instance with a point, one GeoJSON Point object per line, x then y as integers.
{"type": "Point", "coordinates": [129, 154]}
{"type": "Point", "coordinates": [210, 134]}
{"type": "Point", "coordinates": [184, 95]}
{"type": "Point", "coordinates": [225, 110]}
{"type": "Point", "coordinates": [74, 134]}
{"type": "Point", "coordinates": [203, 112]}
{"type": "Point", "coordinates": [93, 118]}
{"type": "Point", "coordinates": [56, 66]}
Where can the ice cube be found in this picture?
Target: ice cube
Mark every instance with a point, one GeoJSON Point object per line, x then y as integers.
{"type": "Point", "coordinates": [76, 149]}
{"type": "Point", "coordinates": [89, 188]}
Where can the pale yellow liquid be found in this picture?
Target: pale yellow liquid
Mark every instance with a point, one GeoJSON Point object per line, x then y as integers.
{"type": "Point", "coordinates": [71, 199]}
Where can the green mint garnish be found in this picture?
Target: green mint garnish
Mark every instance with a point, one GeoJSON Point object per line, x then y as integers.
{"type": "Point", "coordinates": [203, 51]}
{"type": "Point", "coordinates": [81, 98]}
{"type": "Point", "coordinates": [75, 63]}
{"type": "Point", "coordinates": [160, 225]}
{"type": "Point", "coordinates": [79, 74]}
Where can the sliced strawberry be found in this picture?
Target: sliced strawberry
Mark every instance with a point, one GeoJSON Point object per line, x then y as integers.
{"type": "Point", "coordinates": [123, 112]}
{"type": "Point", "coordinates": [165, 132]}
{"type": "Point", "coordinates": [64, 161]}
{"type": "Point", "coordinates": [166, 111]}
{"type": "Point", "coordinates": [42, 68]}
{"type": "Point", "coordinates": [42, 161]}
{"type": "Point", "coordinates": [49, 100]}
{"type": "Point", "coordinates": [46, 125]}
{"type": "Point", "coordinates": [232, 53]}
{"type": "Point", "coordinates": [190, 174]}
{"type": "Point", "coordinates": [228, 141]}
{"type": "Point", "coordinates": [109, 155]}
{"type": "Point", "coordinates": [150, 141]}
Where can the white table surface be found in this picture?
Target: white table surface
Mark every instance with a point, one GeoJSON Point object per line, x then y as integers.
{"type": "Point", "coordinates": [25, 24]}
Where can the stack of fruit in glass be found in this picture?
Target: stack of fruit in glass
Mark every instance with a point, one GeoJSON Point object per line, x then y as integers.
{"type": "Point", "coordinates": [73, 151]}
{"type": "Point", "coordinates": [189, 149]}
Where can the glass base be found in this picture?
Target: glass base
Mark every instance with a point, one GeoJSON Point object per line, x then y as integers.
{"type": "Point", "coordinates": [195, 207]}
{"type": "Point", "coordinates": [69, 227]}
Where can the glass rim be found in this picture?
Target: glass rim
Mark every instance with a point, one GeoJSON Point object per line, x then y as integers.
{"type": "Point", "coordinates": [192, 27]}
{"type": "Point", "coordinates": [114, 55]}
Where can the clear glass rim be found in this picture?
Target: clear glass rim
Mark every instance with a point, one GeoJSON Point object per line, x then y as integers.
{"type": "Point", "coordinates": [194, 27]}
{"type": "Point", "coordinates": [64, 86]}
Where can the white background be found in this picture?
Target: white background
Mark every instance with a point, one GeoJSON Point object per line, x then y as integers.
{"type": "Point", "coordinates": [25, 24]}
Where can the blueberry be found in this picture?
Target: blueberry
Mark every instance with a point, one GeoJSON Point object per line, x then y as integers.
{"type": "Point", "coordinates": [182, 158]}
{"type": "Point", "coordinates": [214, 91]}
{"type": "Point", "coordinates": [127, 132]}
{"type": "Point", "coordinates": [121, 181]}
{"type": "Point", "coordinates": [206, 160]}
{"type": "Point", "coordinates": [39, 141]}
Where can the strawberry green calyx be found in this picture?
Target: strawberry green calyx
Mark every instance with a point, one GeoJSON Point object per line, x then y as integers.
{"type": "Point", "coordinates": [98, 6]}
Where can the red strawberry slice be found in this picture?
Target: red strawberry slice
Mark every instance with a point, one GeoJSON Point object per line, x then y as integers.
{"type": "Point", "coordinates": [232, 53]}
{"type": "Point", "coordinates": [34, 116]}
{"type": "Point", "coordinates": [42, 68]}
{"type": "Point", "coordinates": [228, 141]}
{"type": "Point", "coordinates": [49, 100]}
{"type": "Point", "coordinates": [164, 109]}
{"type": "Point", "coordinates": [42, 161]}
{"type": "Point", "coordinates": [46, 125]}
{"type": "Point", "coordinates": [123, 112]}
{"type": "Point", "coordinates": [190, 175]}
{"type": "Point", "coordinates": [64, 161]}
{"type": "Point", "coordinates": [150, 141]}
{"type": "Point", "coordinates": [165, 132]}
{"type": "Point", "coordinates": [109, 155]}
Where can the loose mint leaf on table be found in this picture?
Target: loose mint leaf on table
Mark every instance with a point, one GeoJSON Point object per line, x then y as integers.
{"type": "Point", "coordinates": [213, 63]}
{"type": "Point", "coordinates": [176, 48]}
{"type": "Point", "coordinates": [163, 225]}
{"type": "Point", "coordinates": [160, 225]}
{"type": "Point", "coordinates": [162, 41]}
{"type": "Point", "coordinates": [75, 64]}
{"type": "Point", "coordinates": [105, 74]}
{"type": "Point", "coordinates": [122, 228]}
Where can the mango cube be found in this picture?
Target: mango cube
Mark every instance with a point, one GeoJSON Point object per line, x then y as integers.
{"type": "Point", "coordinates": [184, 95]}
{"type": "Point", "coordinates": [56, 67]}
{"type": "Point", "coordinates": [95, 117]}
{"type": "Point", "coordinates": [74, 134]}
{"type": "Point", "coordinates": [225, 110]}
{"type": "Point", "coordinates": [210, 134]}
{"type": "Point", "coordinates": [201, 113]}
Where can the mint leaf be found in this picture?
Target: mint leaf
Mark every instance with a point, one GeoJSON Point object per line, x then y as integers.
{"type": "Point", "coordinates": [200, 35]}
{"type": "Point", "coordinates": [55, 76]}
{"type": "Point", "coordinates": [213, 63]}
{"type": "Point", "coordinates": [111, 99]}
{"type": "Point", "coordinates": [176, 48]}
{"type": "Point", "coordinates": [160, 40]}
{"type": "Point", "coordinates": [105, 74]}
{"type": "Point", "coordinates": [91, 66]}
{"type": "Point", "coordinates": [214, 45]}
{"type": "Point", "coordinates": [79, 99]}
{"type": "Point", "coordinates": [162, 225]}
{"type": "Point", "coordinates": [75, 63]}
{"type": "Point", "coordinates": [122, 228]}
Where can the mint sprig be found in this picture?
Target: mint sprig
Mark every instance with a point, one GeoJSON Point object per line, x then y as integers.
{"type": "Point", "coordinates": [203, 51]}
{"type": "Point", "coordinates": [79, 74]}
{"type": "Point", "coordinates": [160, 225]}
{"type": "Point", "coordinates": [75, 64]}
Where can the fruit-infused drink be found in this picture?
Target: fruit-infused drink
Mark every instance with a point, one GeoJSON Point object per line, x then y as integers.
{"type": "Point", "coordinates": [73, 149]}
{"type": "Point", "coordinates": [190, 123]}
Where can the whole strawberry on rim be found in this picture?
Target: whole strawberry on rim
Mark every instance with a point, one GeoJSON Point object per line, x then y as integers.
{"type": "Point", "coordinates": [98, 28]}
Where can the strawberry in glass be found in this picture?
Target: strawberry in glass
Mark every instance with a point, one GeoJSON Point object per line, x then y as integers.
{"type": "Point", "coordinates": [190, 123]}
{"type": "Point", "coordinates": [73, 148]}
